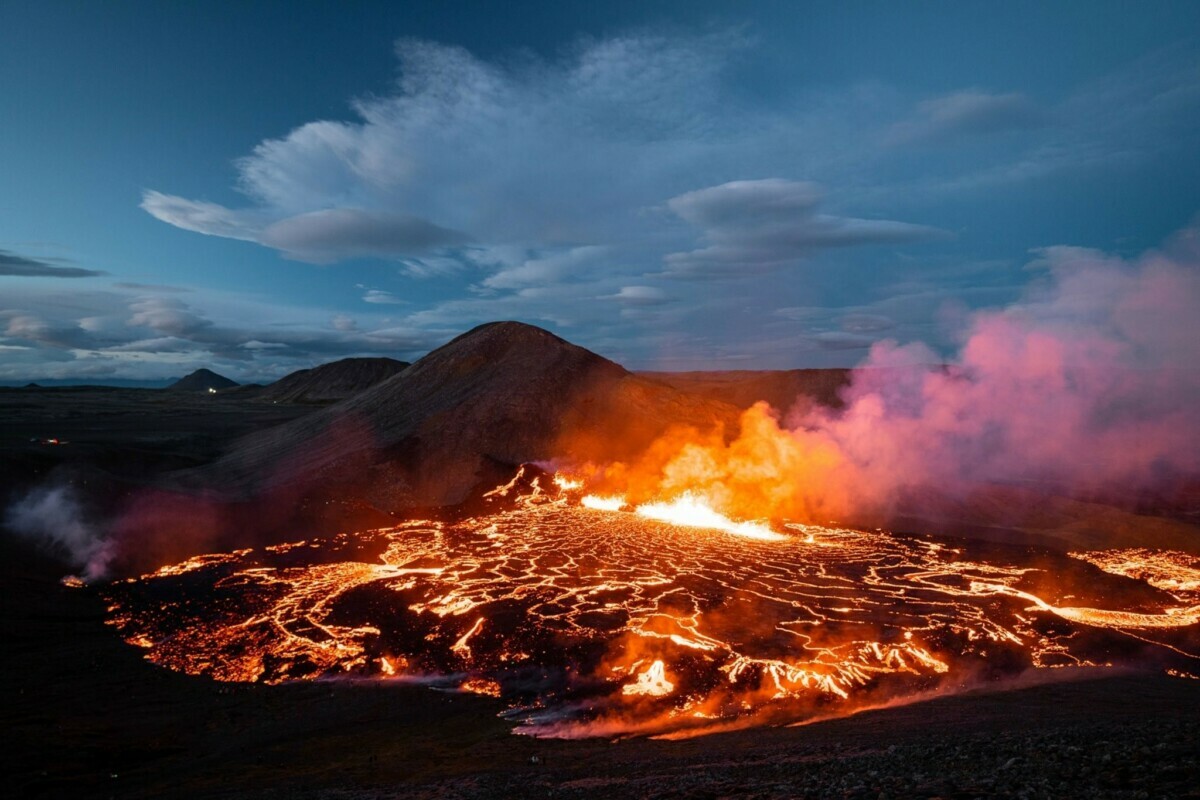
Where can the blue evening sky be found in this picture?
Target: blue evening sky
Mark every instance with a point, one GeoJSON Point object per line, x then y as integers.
{"type": "Point", "coordinates": [259, 187]}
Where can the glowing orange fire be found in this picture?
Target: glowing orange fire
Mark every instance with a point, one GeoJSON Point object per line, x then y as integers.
{"type": "Point", "coordinates": [691, 619]}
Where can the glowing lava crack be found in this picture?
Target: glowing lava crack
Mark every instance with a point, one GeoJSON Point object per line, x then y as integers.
{"type": "Point", "coordinates": [588, 620]}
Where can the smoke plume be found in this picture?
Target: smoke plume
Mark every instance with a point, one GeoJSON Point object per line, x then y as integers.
{"type": "Point", "coordinates": [1088, 388]}
{"type": "Point", "coordinates": [53, 517]}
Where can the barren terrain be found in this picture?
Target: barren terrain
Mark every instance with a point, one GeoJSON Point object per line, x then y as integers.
{"type": "Point", "coordinates": [88, 716]}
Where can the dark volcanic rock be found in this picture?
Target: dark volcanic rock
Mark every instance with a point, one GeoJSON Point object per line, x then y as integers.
{"type": "Point", "coordinates": [201, 381]}
{"type": "Point", "coordinates": [329, 383]}
{"type": "Point", "coordinates": [502, 394]}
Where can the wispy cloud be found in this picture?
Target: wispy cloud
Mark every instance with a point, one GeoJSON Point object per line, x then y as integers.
{"type": "Point", "coordinates": [150, 287]}
{"type": "Point", "coordinates": [575, 262]}
{"type": "Point", "coordinates": [599, 192]}
{"type": "Point", "coordinates": [562, 165]}
{"type": "Point", "coordinates": [639, 296]}
{"type": "Point", "coordinates": [380, 297]}
{"type": "Point", "coordinates": [762, 225]}
{"type": "Point", "coordinates": [25, 267]}
{"type": "Point", "coordinates": [967, 113]}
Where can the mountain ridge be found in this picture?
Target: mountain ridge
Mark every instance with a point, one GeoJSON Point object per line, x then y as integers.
{"type": "Point", "coordinates": [202, 380]}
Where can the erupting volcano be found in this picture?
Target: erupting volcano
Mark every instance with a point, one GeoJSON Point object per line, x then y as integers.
{"type": "Point", "coordinates": [664, 619]}
{"type": "Point", "coordinates": [769, 400]}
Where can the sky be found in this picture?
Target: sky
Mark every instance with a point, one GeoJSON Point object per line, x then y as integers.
{"type": "Point", "coordinates": [261, 187]}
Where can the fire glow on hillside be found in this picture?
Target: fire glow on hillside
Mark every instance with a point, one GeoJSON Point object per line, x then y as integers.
{"type": "Point", "coordinates": [588, 620]}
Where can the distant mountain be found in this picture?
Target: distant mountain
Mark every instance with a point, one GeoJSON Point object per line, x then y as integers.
{"type": "Point", "coordinates": [502, 394]}
{"type": "Point", "coordinates": [329, 383]}
{"type": "Point", "coordinates": [116, 383]}
{"type": "Point", "coordinates": [201, 381]}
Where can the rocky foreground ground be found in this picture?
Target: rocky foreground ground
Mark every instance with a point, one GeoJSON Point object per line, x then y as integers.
{"type": "Point", "coordinates": [85, 716]}
{"type": "Point", "coordinates": [1137, 760]}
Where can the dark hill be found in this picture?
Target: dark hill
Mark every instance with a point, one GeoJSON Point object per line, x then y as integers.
{"type": "Point", "coordinates": [201, 381]}
{"type": "Point", "coordinates": [500, 395]}
{"type": "Point", "coordinates": [329, 383]}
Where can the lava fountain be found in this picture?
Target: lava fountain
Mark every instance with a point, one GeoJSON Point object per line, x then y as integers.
{"type": "Point", "coordinates": [666, 618]}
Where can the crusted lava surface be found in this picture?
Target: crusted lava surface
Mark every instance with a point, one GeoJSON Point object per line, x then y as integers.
{"type": "Point", "coordinates": [600, 622]}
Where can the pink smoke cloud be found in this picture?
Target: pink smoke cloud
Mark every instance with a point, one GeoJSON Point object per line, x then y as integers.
{"type": "Point", "coordinates": [1090, 385]}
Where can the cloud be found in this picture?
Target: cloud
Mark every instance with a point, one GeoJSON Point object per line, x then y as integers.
{"type": "Point", "coordinates": [344, 323]}
{"type": "Point", "coordinates": [34, 329]}
{"type": "Point", "coordinates": [541, 188]}
{"type": "Point", "coordinates": [322, 236]}
{"type": "Point", "coordinates": [380, 297]}
{"type": "Point", "coordinates": [1138, 116]}
{"type": "Point", "coordinates": [157, 344]}
{"type": "Point", "coordinates": [843, 340]}
{"type": "Point", "coordinates": [763, 225]}
{"type": "Point", "coordinates": [969, 112]}
{"type": "Point", "coordinates": [866, 323]}
{"type": "Point", "coordinates": [335, 234]}
{"type": "Point", "coordinates": [166, 315]}
{"type": "Point", "coordinates": [639, 296]}
{"type": "Point", "coordinates": [203, 217]}
{"type": "Point", "coordinates": [150, 287]}
{"type": "Point", "coordinates": [22, 266]}
{"type": "Point", "coordinates": [541, 156]}
{"type": "Point", "coordinates": [575, 262]}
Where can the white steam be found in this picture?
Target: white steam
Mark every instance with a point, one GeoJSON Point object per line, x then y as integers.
{"type": "Point", "coordinates": [53, 517]}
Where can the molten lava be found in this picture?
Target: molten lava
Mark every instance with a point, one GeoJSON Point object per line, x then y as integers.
{"type": "Point", "coordinates": [652, 682]}
{"type": "Point", "coordinates": [693, 512]}
{"type": "Point", "coordinates": [668, 619]}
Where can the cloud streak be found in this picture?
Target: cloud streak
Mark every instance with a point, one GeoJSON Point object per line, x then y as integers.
{"type": "Point", "coordinates": [20, 266]}
{"type": "Point", "coordinates": [967, 113]}
{"type": "Point", "coordinates": [763, 225]}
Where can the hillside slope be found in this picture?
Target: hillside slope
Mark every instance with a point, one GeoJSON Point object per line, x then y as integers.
{"type": "Point", "coordinates": [500, 395]}
{"type": "Point", "coordinates": [331, 382]}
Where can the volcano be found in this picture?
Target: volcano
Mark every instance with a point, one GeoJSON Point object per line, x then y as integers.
{"type": "Point", "coordinates": [469, 412]}
{"type": "Point", "coordinates": [331, 382]}
{"type": "Point", "coordinates": [202, 380]}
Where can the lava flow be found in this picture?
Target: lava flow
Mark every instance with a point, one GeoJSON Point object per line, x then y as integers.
{"type": "Point", "coordinates": [663, 619]}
